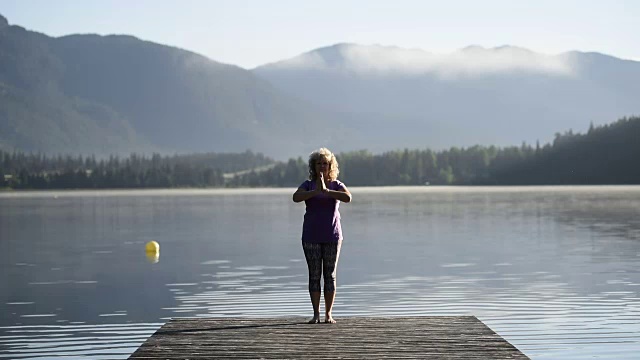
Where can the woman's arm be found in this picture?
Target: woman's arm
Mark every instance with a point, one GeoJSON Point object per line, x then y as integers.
{"type": "Point", "coordinates": [343, 194]}
{"type": "Point", "coordinates": [301, 194]}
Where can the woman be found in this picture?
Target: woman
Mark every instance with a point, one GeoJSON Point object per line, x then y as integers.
{"type": "Point", "coordinates": [321, 231]}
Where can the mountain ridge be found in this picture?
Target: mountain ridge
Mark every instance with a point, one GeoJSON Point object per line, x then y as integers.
{"type": "Point", "coordinates": [500, 96]}
{"type": "Point", "coordinates": [90, 93]}
{"type": "Point", "coordinates": [166, 99]}
{"type": "Point", "coordinates": [336, 48]}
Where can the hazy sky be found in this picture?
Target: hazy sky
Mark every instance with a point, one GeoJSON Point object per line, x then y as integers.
{"type": "Point", "coordinates": [251, 33]}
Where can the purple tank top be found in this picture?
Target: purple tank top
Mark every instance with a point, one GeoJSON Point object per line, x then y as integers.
{"type": "Point", "coordinates": [322, 218]}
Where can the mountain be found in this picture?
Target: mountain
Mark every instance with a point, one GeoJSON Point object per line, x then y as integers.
{"type": "Point", "coordinates": [36, 115]}
{"type": "Point", "coordinates": [500, 96]}
{"type": "Point", "coordinates": [118, 94]}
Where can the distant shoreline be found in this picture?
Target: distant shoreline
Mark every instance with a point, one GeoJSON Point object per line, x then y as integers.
{"type": "Point", "coordinates": [390, 188]}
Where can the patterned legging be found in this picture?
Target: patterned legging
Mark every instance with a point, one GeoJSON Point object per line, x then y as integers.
{"type": "Point", "coordinates": [322, 259]}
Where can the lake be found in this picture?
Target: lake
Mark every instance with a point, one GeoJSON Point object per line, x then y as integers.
{"type": "Point", "coordinates": [553, 270]}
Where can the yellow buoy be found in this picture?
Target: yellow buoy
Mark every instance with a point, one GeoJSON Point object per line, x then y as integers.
{"type": "Point", "coordinates": [153, 257]}
{"type": "Point", "coordinates": [152, 247]}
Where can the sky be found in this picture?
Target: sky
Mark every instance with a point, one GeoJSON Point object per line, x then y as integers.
{"type": "Point", "coordinates": [251, 33]}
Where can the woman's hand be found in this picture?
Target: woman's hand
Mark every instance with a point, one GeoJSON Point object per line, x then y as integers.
{"type": "Point", "coordinates": [320, 183]}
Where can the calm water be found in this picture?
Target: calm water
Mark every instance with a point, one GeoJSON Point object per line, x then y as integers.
{"type": "Point", "coordinates": [554, 270]}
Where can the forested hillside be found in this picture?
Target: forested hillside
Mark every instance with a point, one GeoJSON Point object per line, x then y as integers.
{"type": "Point", "coordinates": [117, 94]}
{"type": "Point", "coordinates": [607, 154]}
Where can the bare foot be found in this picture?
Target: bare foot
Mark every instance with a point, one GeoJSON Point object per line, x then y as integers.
{"type": "Point", "coordinates": [315, 320]}
{"type": "Point", "coordinates": [329, 320]}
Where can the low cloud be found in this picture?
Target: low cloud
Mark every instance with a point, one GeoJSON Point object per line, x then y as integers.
{"type": "Point", "coordinates": [470, 61]}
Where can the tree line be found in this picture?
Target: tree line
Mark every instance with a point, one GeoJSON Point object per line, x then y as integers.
{"type": "Point", "coordinates": [19, 170]}
{"type": "Point", "coordinates": [606, 154]}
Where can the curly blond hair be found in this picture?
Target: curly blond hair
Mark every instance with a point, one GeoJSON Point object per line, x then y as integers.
{"type": "Point", "coordinates": [323, 153]}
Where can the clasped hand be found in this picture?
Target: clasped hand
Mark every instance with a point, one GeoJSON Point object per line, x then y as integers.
{"type": "Point", "coordinates": [321, 186]}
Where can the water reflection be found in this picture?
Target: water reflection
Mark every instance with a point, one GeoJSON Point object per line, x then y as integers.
{"type": "Point", "coordinates": [107, 341]}
{"type": "Point", "coordinates": [553, 270]}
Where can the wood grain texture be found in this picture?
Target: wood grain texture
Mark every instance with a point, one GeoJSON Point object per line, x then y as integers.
{"type": "Point", "coordinates": [422, 337]}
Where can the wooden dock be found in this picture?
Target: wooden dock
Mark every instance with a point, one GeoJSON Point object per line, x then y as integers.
{"type": "Point", "coordinates": [422, 337]}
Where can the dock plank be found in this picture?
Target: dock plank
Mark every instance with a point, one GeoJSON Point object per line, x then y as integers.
{"type": "Point", "coordinates": [423, 337]}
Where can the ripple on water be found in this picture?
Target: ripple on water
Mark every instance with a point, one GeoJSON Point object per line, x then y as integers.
{"type": "Point", "coordinates": [527, 317]}
{"type": "Point", "coordinates": [107, 341]}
